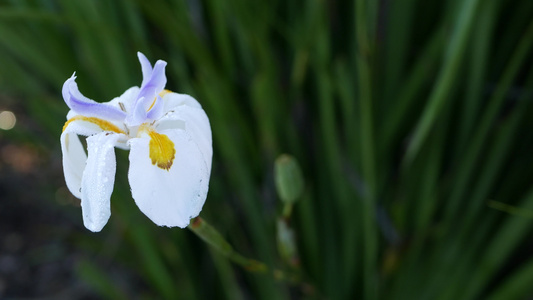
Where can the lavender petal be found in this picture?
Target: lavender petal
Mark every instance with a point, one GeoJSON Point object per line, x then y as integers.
{"type": "Point", "coordinates": [155, 83]}
{"type": "Point", "coordinates": [156, 111]}
{"type": "Point", "coordinates": [87, 107]}
{"type": "Point", "coordinates": [138, 115]}
{"type": "Point", "coordinates": [145, 66]}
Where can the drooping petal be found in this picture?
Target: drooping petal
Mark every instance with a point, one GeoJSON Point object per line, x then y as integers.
{"type": "Point", "coordinates": [74, 156]}
{"type": "Point", "coordinates": [169, 187]}
{"type": "Point", "coordinates": [187, 114]}
{"type": "Point", "coordinates": [87, 107]}
{"type": "Point", "coordinates": [98, 180]}
{"type": "Point", "coordinates": [74, 159]}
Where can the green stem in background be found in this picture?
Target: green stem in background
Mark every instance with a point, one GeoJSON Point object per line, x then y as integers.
{"type": "Point", "coordinates": [510, 209]}
{"type": "Point", "coordinates": [286, 239]}
{"type": "Point", "coordinates": [211, 236]}
{"type": "Point", "coordinates": [471, 156]}
{"type": "Point", "coordinates": [444, 84]}
{"type": "Point", "coordinates": [365, 13]}
{"type": "Point", "coordinates": [289, 186]}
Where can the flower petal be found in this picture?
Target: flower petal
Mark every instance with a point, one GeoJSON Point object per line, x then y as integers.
{"type": "Point", "coordinates": [87, 107]}
{"type": "Point", "coordinates": [146, 67]}
{"type": "Point", "coordinates": [126, 101]}
{"type": "Point", "coordinates": [98, 179]}
{"type": "Point", "coordinates": [154, 84]}
{"type": "Point", "coordinates": [156, 110]}
{"type": "Point", "coordinates": [137, 116]}
{"type": "Point", "coordinates": [185, 113]}
{"type": "Point", "coordinates": [74, 156]}
{"type": "Point", "coordinates": [168, 196]}
{"type": "Point", "coordinates": [150, 88]}
{"type": "Point", "coordinates": [172, 100]}
{"type": "Point", "coordinates": [74, 159]}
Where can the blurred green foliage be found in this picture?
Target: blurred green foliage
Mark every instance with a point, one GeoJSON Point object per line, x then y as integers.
{"type": "Point", "coordinates": [407, 117]}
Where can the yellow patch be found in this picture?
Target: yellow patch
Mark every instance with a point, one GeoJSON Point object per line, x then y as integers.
{"type": "Point", "coordinates": [103, 124]}
{"type": "Point", "coordinates": [164, 92]}
{"type": "Point", "coordinates": [162, 151]}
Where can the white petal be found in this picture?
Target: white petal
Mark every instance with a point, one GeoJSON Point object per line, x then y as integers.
{"type": "Point", "coordinates": [74, 159]}
{"type": "Point", "coordinates": [98, 179]}
{"type": "Point", "coordinates": [74, 156]}
{"type": "Point", "coordinates": [169, 197]}
{"type": "Point", "coordinates": [174, 99]}
{"type": "Point", "coordinates": [189, 116]}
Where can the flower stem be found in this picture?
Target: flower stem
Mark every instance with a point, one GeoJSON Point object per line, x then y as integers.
{"type": "Point", "coordinates": [211, 236]}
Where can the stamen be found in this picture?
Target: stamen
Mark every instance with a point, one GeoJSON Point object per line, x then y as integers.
{"type": "Point", "coordinates": [122, 107]}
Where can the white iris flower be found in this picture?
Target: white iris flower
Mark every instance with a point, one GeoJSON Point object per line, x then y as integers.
{"type": "Point", "coordinates": [169, 138]}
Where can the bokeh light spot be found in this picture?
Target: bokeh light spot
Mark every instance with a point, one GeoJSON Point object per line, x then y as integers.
{"type": "Point", "coordinates": [7, 120]}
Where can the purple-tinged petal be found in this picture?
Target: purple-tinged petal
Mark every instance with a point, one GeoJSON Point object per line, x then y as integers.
{"type": "Point", "coordinates": [87, 107]}
{"type": "Point", "coordinates": [155, 84]}
{"type": "Point", "coordinates": [145, 66]}
{"type": "Point", "coordinates": [150, 89]}
{"type": "Point", "coordinates": [156, 110]}
{"type": "Point", "coordinates": [65, 91]}
{"type": "Point", "coordinates": [138, 115]}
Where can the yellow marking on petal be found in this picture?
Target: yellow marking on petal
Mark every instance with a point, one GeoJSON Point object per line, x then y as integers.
{"type": "Point", "coordinates": [152, 105]}
{"type": "Point", "coordinates": [103, 124]}
{"type": "Point", "coordinates": [162, 151]}
{"type": "Point", "coordinates": [164, 92]}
